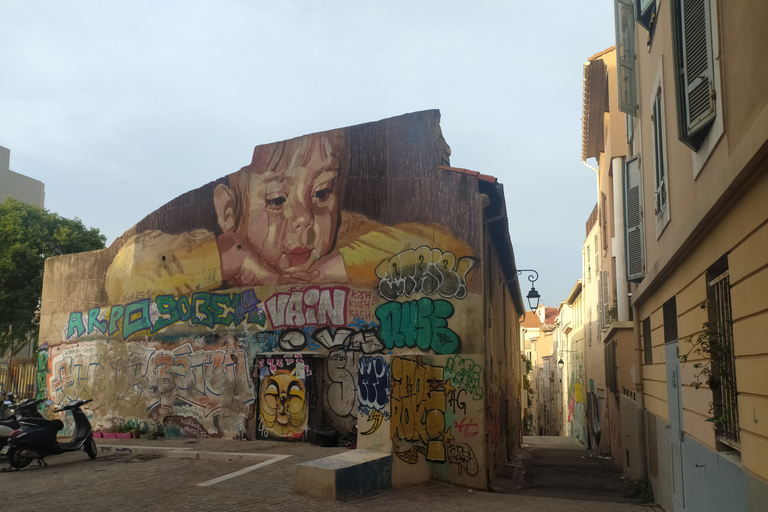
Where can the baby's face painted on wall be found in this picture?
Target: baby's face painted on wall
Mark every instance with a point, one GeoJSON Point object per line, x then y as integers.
{"type": "Point", "coordinates": [293, 211]}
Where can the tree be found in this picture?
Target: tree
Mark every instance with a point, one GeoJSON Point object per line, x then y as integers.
{"type": "Point", "coordinates": [28, 235]}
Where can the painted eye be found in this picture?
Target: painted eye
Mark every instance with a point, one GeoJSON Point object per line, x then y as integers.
{"type": "Point", "coordinates": [324, 194]}
{"type": "Point", "coordinates": [276, 203]}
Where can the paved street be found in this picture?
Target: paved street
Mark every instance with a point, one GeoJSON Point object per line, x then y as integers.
{"type": "Point", "coordinates": [131, 475]}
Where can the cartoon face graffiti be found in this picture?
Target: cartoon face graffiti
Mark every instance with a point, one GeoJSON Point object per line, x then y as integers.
{"type": "Point", "coordinates": [283, 406]}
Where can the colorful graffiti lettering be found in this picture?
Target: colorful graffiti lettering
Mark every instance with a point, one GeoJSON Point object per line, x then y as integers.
{"type": "Point", "coordinates": [313, 306]}
{"type": "Point", "coordinates": [462, 455]}
{"type": "Point", "coordinates": [419, 323]}
{"type": "Point", "coordinates": [377, 417]}
{"type": "Point", "coordinates": [467, 428]}
{"type": "Point", "coordinates": [424, 270]}
{"type": "Point", "coordinates": [362, 303]}
{"type": "Point", "coordinates": [201, 309]}
{"type": "Point", "coordinates": [342, 391]}
{"type": "Point", "coordinates": [411, 455]}
{"type": "Point", "coordinates": [42, 372]}
{"type": "Point", "coordinates": [373, 382]}
{"type": "Point", "coordinates": [418, 406]}
{"type": "Point", "coordinates": [467, 374]}
{"type": "Point", "coordinates": [283, 405]}
{"type": "Point", "coordinates": [150, 378]}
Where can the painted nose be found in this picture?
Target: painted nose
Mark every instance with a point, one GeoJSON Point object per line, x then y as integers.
{"type": "Point", "coordinates": [301, 216]}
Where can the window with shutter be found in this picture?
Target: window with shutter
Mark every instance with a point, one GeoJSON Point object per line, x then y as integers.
{"type": "Point", "coordinates": [695, 84]}
{"type": "Point", "coordinates": [647, 341]}
{"type": "Point", "coordinates": [634, 237]}
{"type": "Point", "coordinates": [625, 56]}
{"type": "Point", "coordinates": [661, 175]}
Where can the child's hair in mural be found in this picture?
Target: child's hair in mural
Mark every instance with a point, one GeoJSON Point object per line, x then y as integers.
{"type": "Point", "coordinates": [281, 213]}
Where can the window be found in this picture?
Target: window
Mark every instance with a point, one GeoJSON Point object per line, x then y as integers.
{"type": "Point", "coordinates": [723, 379]}
{"type": "Point", "coordinates": [647, 341]}
{"type": "Point", "coordinates": [597, 267]}
{"type": "Point", "coordinates": [669, 311]}
{"type": "Point", "coordinates": [695, 81]}
{"type": "Point", "coordinates": [634, 237]}
{"type": "Point", "coordinates": [589, 265]}
{"type": "Point", "coordinates": [625, 56]}
{"type": "Point", "coordinates": [661, 203]}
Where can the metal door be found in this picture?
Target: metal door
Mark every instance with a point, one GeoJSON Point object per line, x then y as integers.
{"type": "Point", "coordinates": [674, 402]}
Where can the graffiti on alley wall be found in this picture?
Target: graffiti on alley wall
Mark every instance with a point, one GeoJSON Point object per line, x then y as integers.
{"type": "Point", "coordinates": [147, 316]}
{"type": "Point", "coordinates": [421, 324]}
{"type": "Point", "coordinates": [283, 399]}
{"type": "Point", "coordinates": [149, 380]}
{"type": "Point", "coordinates": [424, 270]}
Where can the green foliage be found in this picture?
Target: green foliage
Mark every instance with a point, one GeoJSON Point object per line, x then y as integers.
{"type": "Point", "coordinates": [711, 345]}
{"type": "Point", "coordinates": [28, 235]}
{"type": "Point", "coordinates": [640, 491]}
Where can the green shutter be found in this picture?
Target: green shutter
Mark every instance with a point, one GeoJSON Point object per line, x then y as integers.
{"type": "Point", "coordinates": [625, 56]}
{"type": "Point", "coordinates": [697, 70]}
{"type": "Point", "coordinates": [634, 237]}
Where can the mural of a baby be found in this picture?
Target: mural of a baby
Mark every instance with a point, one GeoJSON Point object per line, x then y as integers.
{"type": "Point", "coordinates": [281, 222]}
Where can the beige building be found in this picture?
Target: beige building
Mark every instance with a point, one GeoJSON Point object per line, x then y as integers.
{"type": "Point", "coordinates": [18, 186]}
{"type": "Point", "coordinates": [681, 145]}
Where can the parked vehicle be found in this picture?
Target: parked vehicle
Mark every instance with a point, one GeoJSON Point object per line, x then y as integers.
{"type": "Point", "coordinates": [36, 438]}
{"type": "Point", "coordinates": [24, 409]}
{"type": "Point", "coordinates": [7, 400]}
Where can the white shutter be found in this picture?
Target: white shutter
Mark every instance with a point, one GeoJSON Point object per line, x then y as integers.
{"type": "Point", "coordinates": [606, 305]}
{"type": "Point", "coordinates": [697, 64]}
{"type": "Point", "coordinates": [625, 56]}
{"type": "Point", "coordinates": [634, 238]}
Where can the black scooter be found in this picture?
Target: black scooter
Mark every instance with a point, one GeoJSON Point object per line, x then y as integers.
{"type": "Point", "coordinates": [36, 438]}
{"type": "Point", "coordinates": [25, 409]}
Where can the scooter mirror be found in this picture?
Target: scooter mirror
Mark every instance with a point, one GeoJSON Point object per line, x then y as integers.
{"type": "Point", "coordinates": [49, 402]}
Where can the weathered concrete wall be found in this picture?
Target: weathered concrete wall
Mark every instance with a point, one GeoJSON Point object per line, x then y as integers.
{"type": "Point", "coordinates": [334, 282]}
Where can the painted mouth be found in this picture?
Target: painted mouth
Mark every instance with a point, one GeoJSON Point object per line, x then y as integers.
{"type": "Point", "coordinates": [299, 256]}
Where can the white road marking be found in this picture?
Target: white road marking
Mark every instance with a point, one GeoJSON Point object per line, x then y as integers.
{"type": "Point", "coordinates": [275, 458]}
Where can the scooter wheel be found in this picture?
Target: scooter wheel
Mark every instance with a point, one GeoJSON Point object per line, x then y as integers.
{"type": "Point", "coordinates": [16, 460]}
{"type": "Point", "coordinates": [90, 447]}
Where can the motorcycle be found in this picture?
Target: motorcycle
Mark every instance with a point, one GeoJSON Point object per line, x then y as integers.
{"type": "Point", "coordinates": [25, 409]}
{"type": "Point", "coordinates": [36, 438]}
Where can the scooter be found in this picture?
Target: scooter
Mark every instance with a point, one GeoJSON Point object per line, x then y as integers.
{"type": "Point", "coordinates": [36, 438]}
{"type": "Point", "coordinates": [24, 409]}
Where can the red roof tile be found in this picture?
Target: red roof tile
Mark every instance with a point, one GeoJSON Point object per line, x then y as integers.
{"type": "Point", "coordinates": [484, 177]}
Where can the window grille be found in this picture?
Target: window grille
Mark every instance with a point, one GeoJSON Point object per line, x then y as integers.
{"type": "Point", "coordinates": [726, 404]}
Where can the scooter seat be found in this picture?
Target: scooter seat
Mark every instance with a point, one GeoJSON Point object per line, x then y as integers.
{"type": "Point", "coordinates": [57, 424]}
{"type": "Point", "coordinates": [10, 423]}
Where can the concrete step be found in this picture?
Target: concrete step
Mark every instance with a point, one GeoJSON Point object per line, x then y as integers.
{"type": "Point", "coordinates": [343, 475]}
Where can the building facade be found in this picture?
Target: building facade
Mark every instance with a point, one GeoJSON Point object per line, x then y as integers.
{"type": "Point", "coordinates": [348, 280]}
{"type": "Point", "coordinates": [15, 185]}
{"type": "Point", "coordinates": [681, 147]}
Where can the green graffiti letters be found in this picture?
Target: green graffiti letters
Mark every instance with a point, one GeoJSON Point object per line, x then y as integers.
{"type": "Point", "coordinates": [466, 374]}
{"type": "Point", "coordinates": [203, 308]}
{"type": "Point", "coordinates": [418, 323]}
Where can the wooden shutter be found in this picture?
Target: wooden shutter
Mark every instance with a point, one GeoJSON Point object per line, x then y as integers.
{"type": "Point", "coordinates": [669, 311]}
{"type": "Point", "coordinates": [647, 341]}
{"type": "Point", "coordinates": [697, 64]}
{"type": "Point", "coordinates": [634, 236]}
{"type": "Point", "coordinates": [625, 56]}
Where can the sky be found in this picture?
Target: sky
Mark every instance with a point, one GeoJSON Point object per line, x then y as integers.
{"type": "Point", "coordinates": [119, 107]}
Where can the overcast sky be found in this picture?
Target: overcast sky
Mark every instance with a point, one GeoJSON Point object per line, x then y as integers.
{"type": "Point", "coordinates": [119, 107]}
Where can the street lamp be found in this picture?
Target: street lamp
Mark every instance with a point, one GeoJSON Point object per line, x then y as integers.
{"type": "Point", "coordinates": [561, 363]}
{"type": "Point", "coordinates": [532, 294]}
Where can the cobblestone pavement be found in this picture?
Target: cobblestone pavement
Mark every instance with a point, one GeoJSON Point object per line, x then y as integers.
{"type": "Point", "coordinates": [144, 479]}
